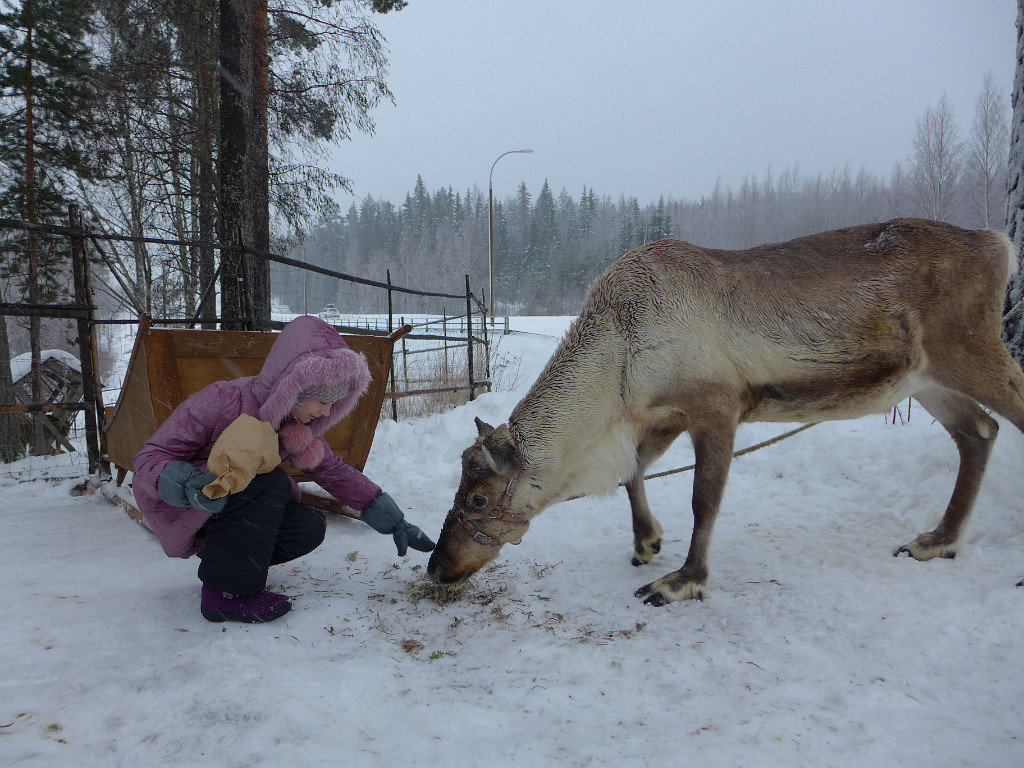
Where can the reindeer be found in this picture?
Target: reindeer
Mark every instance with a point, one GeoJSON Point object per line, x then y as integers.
{"type": "Point", "coordinates": [674, 337]}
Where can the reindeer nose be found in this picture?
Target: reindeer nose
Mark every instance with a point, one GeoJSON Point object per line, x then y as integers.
{"type": "Point", "coordinates": [433, 568]}
{"type": "Point", "coordinates": [440, 572]}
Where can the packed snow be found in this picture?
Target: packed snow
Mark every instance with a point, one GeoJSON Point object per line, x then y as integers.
{"type": "Point", "coordinates": [816, 647]}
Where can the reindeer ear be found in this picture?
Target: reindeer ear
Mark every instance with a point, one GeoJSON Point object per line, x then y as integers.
{"type": "Point", "coordinates": [502, 453]}
{"type": "Point", "coordinates": [482, 427]}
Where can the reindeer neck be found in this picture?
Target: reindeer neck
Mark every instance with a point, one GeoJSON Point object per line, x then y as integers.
{"type": "Point", "coordinates": [570, 428]}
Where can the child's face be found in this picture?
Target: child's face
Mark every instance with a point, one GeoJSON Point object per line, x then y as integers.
{"type": "Point", "coordinates": [308, 410]}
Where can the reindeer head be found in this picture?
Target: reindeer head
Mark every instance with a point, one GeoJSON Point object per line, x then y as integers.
{"type": "Point", "coordinates": [481, 519]}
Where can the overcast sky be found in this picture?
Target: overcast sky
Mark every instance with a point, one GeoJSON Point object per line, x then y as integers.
{"type": "Point", "coordinates": [652, 98]}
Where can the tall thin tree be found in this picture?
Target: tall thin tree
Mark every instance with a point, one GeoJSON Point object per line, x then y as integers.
{"type": "Point", "coordinates": [1013, 325]}
{"type": "Point", "coordinates": [47, 122]}
{"type": "Point", "coordinates": [986, 154]}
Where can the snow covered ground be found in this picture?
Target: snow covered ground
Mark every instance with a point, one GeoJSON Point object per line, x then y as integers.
{"type": "Point", "coordinates": [815, 648]}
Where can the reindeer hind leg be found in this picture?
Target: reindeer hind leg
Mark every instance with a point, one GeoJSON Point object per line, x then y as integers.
{"type": "Point", "coordinates": [991, 376]}
{"type": "Point", "coordinates": [974, 432]}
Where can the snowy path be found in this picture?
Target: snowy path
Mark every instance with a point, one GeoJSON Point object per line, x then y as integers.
{"type": "Point", "coordinates": [816, 647]}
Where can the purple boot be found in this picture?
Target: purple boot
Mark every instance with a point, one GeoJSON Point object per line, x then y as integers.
{"type": "Point", "coordinates": [252, 609]}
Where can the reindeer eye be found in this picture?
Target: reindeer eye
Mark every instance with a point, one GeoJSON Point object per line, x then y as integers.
{"type": "Point", "coordinates": [477, 500]}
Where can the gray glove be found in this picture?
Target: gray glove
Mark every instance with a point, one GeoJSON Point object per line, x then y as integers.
{"type": "Point", "coordinates": [384, 516]}
{"type": "Point", "coordinates": [181, 485]}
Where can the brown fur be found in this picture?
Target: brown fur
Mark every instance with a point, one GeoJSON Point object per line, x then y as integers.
{"type": "Point", "coordinates": [677, 338]}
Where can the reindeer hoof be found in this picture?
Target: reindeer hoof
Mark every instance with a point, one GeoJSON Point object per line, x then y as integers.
{"type": "Point", "coordinates": [1020, 583]}
{"type": "Point", "coordinates": [644, 591]}
{"type": "Point", "coordinates": [657, 600]}
{"type": "Point", "coordinates": [926, 546]}
{"type": "Point", "coordinates": [669, 589]}
{"type": "Point", "coordinates": [643, 553]}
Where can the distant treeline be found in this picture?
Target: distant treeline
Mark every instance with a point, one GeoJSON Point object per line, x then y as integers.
{"type": "Point", "coordinates": [548, 247]}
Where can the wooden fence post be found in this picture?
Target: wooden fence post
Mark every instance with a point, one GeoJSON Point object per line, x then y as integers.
{"type": "Point", "coordinates": [469, 339]}
{"type": "Point", "coordinates": [487, 345]}
{"type": "Point", "coordinates": [405, 361]}
{"type": "Point", "coordinates": [391, 323]}
{"type": "Point", "coordinates": [78, 269]}
{"type": "Point", "coordinates": [444, 333]}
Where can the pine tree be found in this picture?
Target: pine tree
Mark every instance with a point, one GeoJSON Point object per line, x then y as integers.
{"type": "Point", "coordinates": [47, 105]}
{"type": "Point", "coordinates": [47, 118]}
{"type": "Point", "coordinates": [631, 231]}
{"type": "Point", "coordinates": [661, 223]}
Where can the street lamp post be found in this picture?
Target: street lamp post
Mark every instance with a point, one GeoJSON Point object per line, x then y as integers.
{"type": "Point", "coordinates": [490, 223]}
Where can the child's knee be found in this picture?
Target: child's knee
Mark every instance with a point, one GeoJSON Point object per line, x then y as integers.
{"type": "Point", "coordinates": [280, 481]}
{"type": "Point", "coordinates": [317, 528]}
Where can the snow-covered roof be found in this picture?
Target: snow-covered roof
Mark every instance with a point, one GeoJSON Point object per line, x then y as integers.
{"type": "Point", "coordinates": [22, 364]}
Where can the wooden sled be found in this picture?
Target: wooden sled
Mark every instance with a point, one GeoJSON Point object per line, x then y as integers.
{"type": "Point", "coordinates": [169, 365]}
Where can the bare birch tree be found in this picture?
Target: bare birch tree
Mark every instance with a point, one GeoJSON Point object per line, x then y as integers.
{"type": "Point", "coordinates": [986, 155]}
{"type": "Point", "coordinates": [936, 165]}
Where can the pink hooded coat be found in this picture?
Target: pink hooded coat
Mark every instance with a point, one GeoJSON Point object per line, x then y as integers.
{"type": "Point", "coordinates": [308, 352]}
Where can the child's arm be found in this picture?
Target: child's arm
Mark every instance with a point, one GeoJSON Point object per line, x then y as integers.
{"type": "Point", "coordinates": [352, 488]}
{"type": "Point", "coordinates": [185, 433]}
{"type": "Point", "coordinates": [347, 484]}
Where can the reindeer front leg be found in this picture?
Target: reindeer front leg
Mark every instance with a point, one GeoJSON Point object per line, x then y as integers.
{"type": "Point", "coordinates": [646, 529]}
{"type": "Point", "coordinates": [713, 437]}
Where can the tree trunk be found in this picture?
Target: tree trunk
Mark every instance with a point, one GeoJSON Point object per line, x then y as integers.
{"type": "Point", "coordinates": [1013, 328]}
{"type": "Point", "coordinates": [134, 189]}
{"type": "Point", "coordinates": [243, 161]}
{"type": "Point", "coordinates": [206, 94]}
{"type": "Point", "coordinates": [40, 440]}
{"type": "Point", "coordinates": [259, 267]}
{"type": "Point", "coordinates": [12, 446]}
{"type": "Point", "coordinates": [179, 206]}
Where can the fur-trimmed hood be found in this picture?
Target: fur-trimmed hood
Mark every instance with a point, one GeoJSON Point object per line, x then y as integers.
{"type": "Point", "coordinates": [308, 352]}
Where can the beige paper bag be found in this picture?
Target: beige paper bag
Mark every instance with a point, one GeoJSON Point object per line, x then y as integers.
{"type": "Point", "coordinates": [248, 447]}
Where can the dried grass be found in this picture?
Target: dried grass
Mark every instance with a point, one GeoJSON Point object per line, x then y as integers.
{"type": "Point", "coordinates": [440, 594]}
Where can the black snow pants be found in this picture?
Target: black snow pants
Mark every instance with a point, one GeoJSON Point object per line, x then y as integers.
{"type": "Point", "coordinates": [258, 527]}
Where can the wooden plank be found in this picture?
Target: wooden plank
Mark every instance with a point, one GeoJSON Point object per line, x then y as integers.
{"type": "Point", "coordinates": [329, 505]}
{"type": "Point", "coordinates": [58, 408]}
{"type": "Point", "coordinates": [55, 433]}
{"type": "Point", "coordinates": [131, 421]}
{"type": "Point", "coordinates": [197, 373]}
{"type": "Point", "coordinates": [119, 501]}
{"type": "Point", "coordinates": [164, 383]}
{"type": "Point", "coordinates": [227, 344]}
